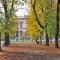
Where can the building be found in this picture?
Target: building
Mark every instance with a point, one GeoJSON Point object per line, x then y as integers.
{"type": "Point", "coordinates": [22, 27]}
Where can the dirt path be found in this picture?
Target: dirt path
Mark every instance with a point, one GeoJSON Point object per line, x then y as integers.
{"type": "Point", "coordinates": [28, 56]}
{"type": "Point", "coordinates": [29, 52]}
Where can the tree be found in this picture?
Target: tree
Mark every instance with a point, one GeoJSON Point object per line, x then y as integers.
{"type": "Point", "coordinates": [1, 25]}
{"type": "Point", "coordinates": [33, 4]}
{"type": "Point", "coordinates": [1, 31]}
{"type": "Point", "coordinates": [49, 13]}
{"type": "Point", "coordinates": [37, 22]}
{"type": "Point", "coordinates": [13, 27]}
{"type": "Point", "coordinates": [57, 25]}
{"type": "Point", "coordinates": [33, 28]}
{"type": "Point", "coordinates": [47, 10]}
{"type": "Point", "coordinates": [9, 8]}
{"type": "Point", "coordinates": [5, 6]}
{"type": "Point", "coordinates": [37, 19]}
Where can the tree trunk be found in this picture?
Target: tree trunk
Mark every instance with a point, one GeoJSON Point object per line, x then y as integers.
{"type": "Point", "coordinates": [50, 37]}
{"type": "Point", "coordinates": [36, 17]}
{"type": "Point", "coordinates": [7, 41]}
{"type": "Point", "coordinates": [47, 40]}
{"type": "Point", "coordinates": [37, 41]}
{"type": "Point", "coordinates": [0, 42]}
{"type": "Point", "coordinates": [57, 26]}
{"type": "Point", "coordinates": [40, 40]}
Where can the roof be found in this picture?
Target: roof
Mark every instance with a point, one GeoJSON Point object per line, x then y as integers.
{"type": "Point", "coordinates": [22, 18]}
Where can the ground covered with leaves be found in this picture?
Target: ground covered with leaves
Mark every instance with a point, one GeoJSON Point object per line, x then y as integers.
{"type": "Point", "coordinates": [22, 51]}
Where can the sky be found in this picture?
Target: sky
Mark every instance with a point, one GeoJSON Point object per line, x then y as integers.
{"type": "Point", "coordinates": [22, 10]}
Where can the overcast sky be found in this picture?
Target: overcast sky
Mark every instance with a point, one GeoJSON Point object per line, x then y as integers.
{"type": "Point", "coordinates": [22, 10]}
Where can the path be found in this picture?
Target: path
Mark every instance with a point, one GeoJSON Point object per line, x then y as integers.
{"type": "Point", "coordinates": [29, 52]}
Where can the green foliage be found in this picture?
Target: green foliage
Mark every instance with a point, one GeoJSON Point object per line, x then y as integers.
{"type": "Point", "coordinates": [8, 24]}
{"type": "Point", "coordinates": [46, 14]}
{"type": "Point", "coordinates": [50, 18]}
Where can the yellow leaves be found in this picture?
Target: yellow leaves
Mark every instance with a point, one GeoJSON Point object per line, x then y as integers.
{"type": "Point", "coordinates": [32, 1]}
{"type": "Point", "coordinates": [33, 27]}
{"type": "Point", "coordinates": [41, 18]}
{"type": "Point", "coordinates": [44, 11]}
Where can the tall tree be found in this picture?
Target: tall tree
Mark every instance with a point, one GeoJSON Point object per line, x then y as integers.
{"type": "Point", "coordinates": [1, 25]}
{"type": "Point", "coordinates": [8, 9]}
{"type": "Point", "coordinates": [1, 31]}
{"type": "Point", "coordinates": [33, 3]}
{"type": "Point", "coordinates": [5, 6]}
{"type": "Point", "coordinates": [37, 19]}
{"type": "Point", "coordinates": [57, 25]}
{"type": "Point", "coordinates": [34, 29]}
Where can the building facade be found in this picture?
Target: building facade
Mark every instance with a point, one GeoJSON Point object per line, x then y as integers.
{"type": "Point", "coordinates": [22, 27]}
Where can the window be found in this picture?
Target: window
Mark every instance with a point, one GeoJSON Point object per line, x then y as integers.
{"type": "Point", "coordinates": [21, 23]}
